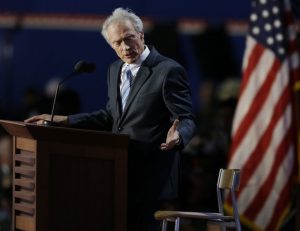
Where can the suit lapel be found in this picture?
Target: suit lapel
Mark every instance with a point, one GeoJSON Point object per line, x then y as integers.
{"type": "Point", "coordinates": [142, 75]}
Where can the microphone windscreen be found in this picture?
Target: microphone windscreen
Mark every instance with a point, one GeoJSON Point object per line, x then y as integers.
{"type": "Point", "coordinates": [84, 67]}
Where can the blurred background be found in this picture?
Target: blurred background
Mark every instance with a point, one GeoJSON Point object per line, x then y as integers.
{"type": "Point", "coordinates": [40, 41]}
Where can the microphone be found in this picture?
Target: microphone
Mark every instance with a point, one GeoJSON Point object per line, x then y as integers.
{"type": "Point", "coordinates": [84, 67]}
{"type": "Point", "coordinates": [79, 68]}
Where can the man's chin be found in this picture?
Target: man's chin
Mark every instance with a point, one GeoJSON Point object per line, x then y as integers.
{"type": "Point", "coordinates": [130, 58]}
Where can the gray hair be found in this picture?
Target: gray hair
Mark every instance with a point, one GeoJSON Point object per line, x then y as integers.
{"type": "Point", "coordinates": [119, 15]}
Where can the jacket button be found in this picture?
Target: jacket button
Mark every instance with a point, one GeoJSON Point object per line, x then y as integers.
{"type": "Point", "coordinates": [119, 129]}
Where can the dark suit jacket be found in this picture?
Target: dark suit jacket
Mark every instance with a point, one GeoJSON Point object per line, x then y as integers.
{"type": "Point", "coordinates": [160, 94]}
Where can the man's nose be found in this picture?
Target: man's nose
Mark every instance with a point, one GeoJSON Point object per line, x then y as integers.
{"type": "Point", "coordinates": [125, 46]}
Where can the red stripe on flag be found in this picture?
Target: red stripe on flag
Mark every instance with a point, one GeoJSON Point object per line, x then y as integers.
{"type": "Point", "coordinates": [281, 204]}
{"type": "Point", "coordinates": [255, 107]}
{"type": "Point", "coordinates": [253, 59]}
{"type": "Point", "coordinates": [256, 156]}
{"type": "Point", "coordinates": [263, 192]}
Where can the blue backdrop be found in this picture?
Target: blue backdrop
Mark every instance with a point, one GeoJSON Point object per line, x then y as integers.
{"type": "Point", "coordinates": [39, 54]}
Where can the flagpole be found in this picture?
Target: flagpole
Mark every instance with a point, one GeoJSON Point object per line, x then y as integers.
{"type": "Point", "coordinates": [297, 120]}
{"type": "Point", "coordinates": [297, 115]}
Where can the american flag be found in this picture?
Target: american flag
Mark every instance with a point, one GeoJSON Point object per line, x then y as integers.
{"type": "Point", "coordinates": [263, 133]}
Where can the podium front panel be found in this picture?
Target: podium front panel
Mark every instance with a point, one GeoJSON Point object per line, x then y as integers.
{"type": "Point", "coordinates": [68, 179]}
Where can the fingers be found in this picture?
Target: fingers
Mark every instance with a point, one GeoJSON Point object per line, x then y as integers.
{"type": "Point", "coordinates": [43, 122]}
{"type": "Point", "coordinates": [165, 146]}
{"type": "Point", "coordinates": [176, 123]}
{"type": "Point", "coordinates": [31, 119]}
{"type": "Point", "coordinates": [172, 137]}
{"type": "Point", "coordinates": [37, 119]}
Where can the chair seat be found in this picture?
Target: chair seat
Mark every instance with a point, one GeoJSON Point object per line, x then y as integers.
{"type": "Point", "coordinates": [160, 215]}
{"type": "Point", "coordinates": [228, 180]}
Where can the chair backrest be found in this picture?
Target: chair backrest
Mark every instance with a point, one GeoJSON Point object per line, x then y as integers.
{"type": "Point", "coordinates": [229, 179]}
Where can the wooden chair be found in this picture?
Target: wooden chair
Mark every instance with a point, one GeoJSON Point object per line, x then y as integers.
{"type": "Point", "coordinates": [228, 180]}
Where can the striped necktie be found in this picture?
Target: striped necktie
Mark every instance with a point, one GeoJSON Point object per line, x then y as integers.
{"type": "Point", "coordinates": [126, 87]}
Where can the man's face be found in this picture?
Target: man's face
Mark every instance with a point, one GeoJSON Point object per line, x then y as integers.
{"type": "Point", "coordinates": [126, 41]}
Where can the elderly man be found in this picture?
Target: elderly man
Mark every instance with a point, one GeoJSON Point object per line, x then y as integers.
{"type": "Point", "coordinates": [149, 99]}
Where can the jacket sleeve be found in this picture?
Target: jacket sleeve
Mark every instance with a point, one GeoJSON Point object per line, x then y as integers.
{"type": "Point", "coordinates": [177, 97]}
{"type": "Point", "coordinates": [98, 120]}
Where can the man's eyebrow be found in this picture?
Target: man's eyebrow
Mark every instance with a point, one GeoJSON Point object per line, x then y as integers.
{"type": "Point", "coordinates": [125, 37]}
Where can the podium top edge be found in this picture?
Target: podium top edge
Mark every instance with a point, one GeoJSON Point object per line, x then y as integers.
{"type": "Point", "coordinates": [30, 126]}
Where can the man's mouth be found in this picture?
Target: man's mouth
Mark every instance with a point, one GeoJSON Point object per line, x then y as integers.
{"type": "Point", "coordinates": [129, 55]}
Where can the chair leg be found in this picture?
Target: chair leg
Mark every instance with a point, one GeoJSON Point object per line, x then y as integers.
{"type": "Point", "coordinates": [177, 224]}
{"type": "Point", "coordinates": [238, 226]}
{"type": "Point", "coordinates": [164, 225]}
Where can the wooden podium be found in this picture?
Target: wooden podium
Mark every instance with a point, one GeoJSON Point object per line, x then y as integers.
{"type": "Point", "coordinates": [68, 179]}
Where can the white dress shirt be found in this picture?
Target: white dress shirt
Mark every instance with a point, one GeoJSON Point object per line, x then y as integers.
{"type": "Point", "coordinates": [134, 67]}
